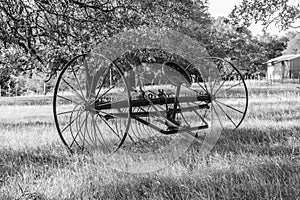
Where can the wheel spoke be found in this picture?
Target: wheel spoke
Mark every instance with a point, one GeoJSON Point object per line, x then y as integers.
{"type": "Point", "coordinates": [233, 86]}
{"type": "Point", "coordinates": [223, 83]}
{"type": "Point", "coordinates": [216, 80]}
{"type": "Point", "coordinates": [82, 98]}
{"type": "Point", "coordinates": [226, 114]}
{"type": "Point", "coordinates": [195, 111]}
{"type": "Point", "coordinates": [107, 91]}
{"type": "Point", "coordinates": [67, 112]}
{"type": "Point", "coordinates": [231, 107]}
{"type": "Point", "coordinates": [69, 124]}
{"type": "Point", "coordinates": [86, 78]}
{"type": "Point", "coordinates": [104, 120]}
{"type": "Point", "coordinates": [67, 99]}
{"type": "Point", "coordinates": [205, 89]}
{"type": "Point", "coordinates": [214, 109]}
{"type": "Point", "coordinates": [100, 87]}
{"type": "Point", "coordinates": [81, 91]}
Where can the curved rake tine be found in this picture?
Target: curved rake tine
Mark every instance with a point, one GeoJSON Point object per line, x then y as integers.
{"type": "Point", "coordinates": [132, 126]}
{"type": "Point", "coordinates": [101, 135]}
{"type": "Point", "coordinates": [78, 114]}
{"type": "Point", "coordinates": [74, 138]}
{"type": "Point", "coordinates": [84, 140]}
{"type": "Point", "coordinates": [80, 132]}
{"type": "Point", "coordinates": [88, 132]}
{"type": "Point", "coordinates": [132, 129]}
{"type": "Point", "coordinates": [142, 125]}
{"type": "Point", "coordinates": [69, 125]}
{"type": "Point", "coordinates": [95, 130]}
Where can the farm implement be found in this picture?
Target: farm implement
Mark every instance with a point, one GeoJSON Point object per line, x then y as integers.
{"type": "Point", "coordinates": [99, 103]}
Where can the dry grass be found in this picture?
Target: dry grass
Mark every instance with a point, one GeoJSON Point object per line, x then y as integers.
{"type": "Point", "coordinates": [258, 161]}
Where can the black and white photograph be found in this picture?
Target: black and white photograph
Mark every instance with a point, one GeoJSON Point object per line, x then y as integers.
{"type": "Point", "coordinates": [149, 99]}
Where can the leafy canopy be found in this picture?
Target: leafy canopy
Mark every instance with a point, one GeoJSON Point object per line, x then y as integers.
{"type": "Point", "coordinates": [284, 13]}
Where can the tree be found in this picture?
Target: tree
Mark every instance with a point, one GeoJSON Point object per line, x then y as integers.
{"type": "Point", "coordinates": [274, 46]}
{"type": "Point", "coordinates": [293, 45]}
{"type": "Point", "coordinates": [49, 33]}
{"type": "Point", "coordinates": [237, 45]}
{"type": "Point", "coordinates": [284, 13]}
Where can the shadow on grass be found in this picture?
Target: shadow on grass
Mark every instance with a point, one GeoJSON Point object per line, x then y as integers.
{"type": "Point", "coordinates": [12, 162]}
{"type": "Point", "coordinates": [270, 180]}
{"type": "Point", "coordinates": [252, 140]}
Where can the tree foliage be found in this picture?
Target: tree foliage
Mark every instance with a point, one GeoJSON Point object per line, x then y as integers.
{"type": "Point", "coordinates": [293, 45]}
{"type": "Point", "coordinates": [237, 45]}
{"type": "Point", "coordinates": [284, 13]}
{"type": "Point", "coordinates": [48, 33]}
{"type": "Point", "coordinates": [37, 37]}
{"type": "Point", "coordinates": [51, 32]}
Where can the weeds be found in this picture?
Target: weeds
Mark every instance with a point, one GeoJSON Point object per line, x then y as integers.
{"type": "Point", "coordinates": [258, 161]}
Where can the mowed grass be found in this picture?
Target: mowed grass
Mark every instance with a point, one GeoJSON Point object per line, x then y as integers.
{"type": "Point", "coordinates": [260, 160]}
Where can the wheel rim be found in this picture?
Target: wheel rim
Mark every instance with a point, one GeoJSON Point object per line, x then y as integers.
{"type": "Point", "coordinates": [86, 81]}
{"type": "Point", "coordinates": [227, 89]}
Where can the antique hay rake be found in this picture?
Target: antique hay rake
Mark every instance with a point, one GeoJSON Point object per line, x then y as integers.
{"type": "Point", "coordinates": [102, 103]}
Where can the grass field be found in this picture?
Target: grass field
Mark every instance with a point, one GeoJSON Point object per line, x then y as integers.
{"type": "Point", "coordinates": [260, 160]}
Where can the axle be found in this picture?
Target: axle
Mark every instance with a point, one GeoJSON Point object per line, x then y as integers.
{"type": "Point", "coordinates": [153, 113]}
{"type": "Point", "coordinates": [155, 101]}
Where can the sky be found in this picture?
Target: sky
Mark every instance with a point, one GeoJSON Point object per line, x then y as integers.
{"type": "Point", "coordinates": [224, 7]}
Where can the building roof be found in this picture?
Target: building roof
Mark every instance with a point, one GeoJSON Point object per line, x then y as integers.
{"type": "Point", "coordinates": [284, 58]}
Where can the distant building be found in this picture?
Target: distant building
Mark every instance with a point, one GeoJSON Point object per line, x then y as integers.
{"type": "Point", "coordinates": [284, 67]}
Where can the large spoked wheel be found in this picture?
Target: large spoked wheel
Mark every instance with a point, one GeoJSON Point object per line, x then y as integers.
{"type": "Point", "coordinates": [225, 85]}
{"type": "Point", "coordinates": [85, 107]}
